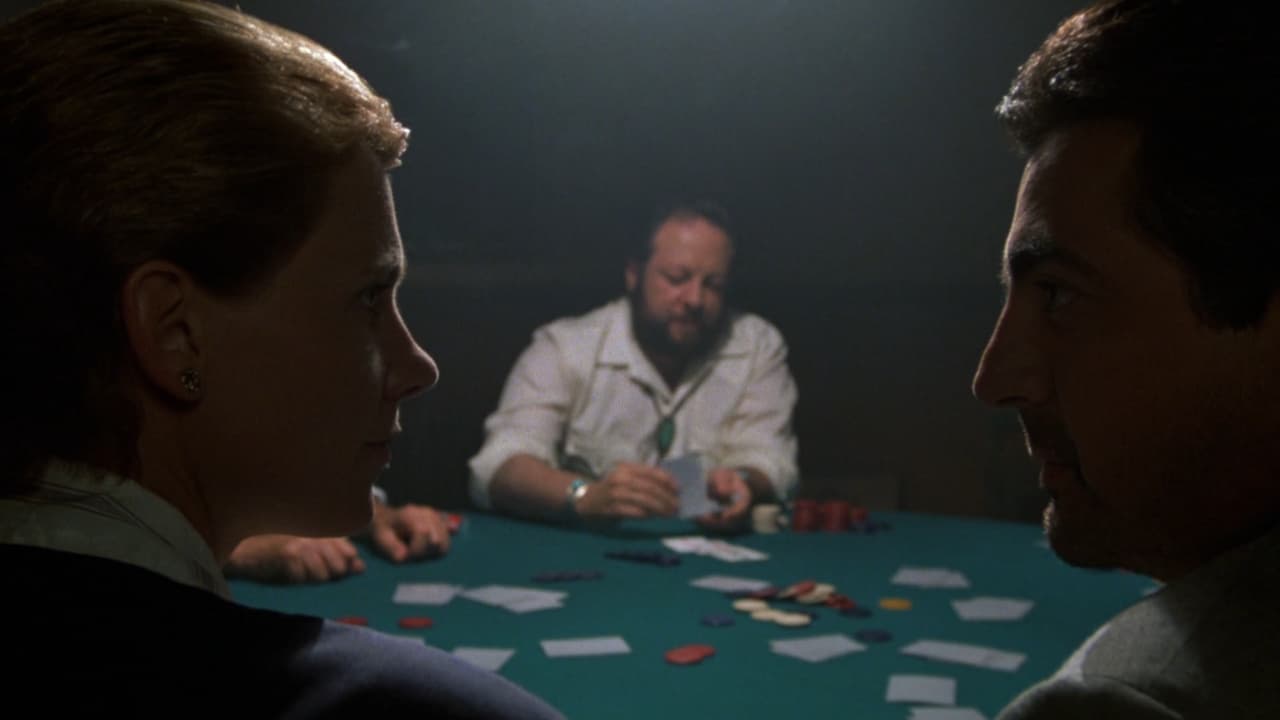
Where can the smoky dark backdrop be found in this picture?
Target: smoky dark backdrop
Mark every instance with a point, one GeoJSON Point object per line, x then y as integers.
{"type": "Point", "coordinates": [852, 141]}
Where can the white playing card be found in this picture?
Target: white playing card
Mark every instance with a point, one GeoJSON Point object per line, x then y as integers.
{"type": "Point", "coordinates": [976, 655]}
{"type": "Point", "coordinates": [692, 481]}
{"type": "Point", "coordinates": [930, 578]}
{"type": "Point", "coordinates": [930, 689]}
{"type": "Point", "coordinates": [507, 595]}
{"type": "Point", "coordinates": [942, 713]}
{"type": "Point", "coordinates": [817, 648]}
{"type": "Point", "coordinates": [487, 658]}
{"type": "Point", "coordinates": [425, 593]}
{"type": "Point", "coordinates": [725, 583]}
{"type": "Point", "coordinates": [991, 608]}
{"type": "Point", "coordinates": [582, 647]}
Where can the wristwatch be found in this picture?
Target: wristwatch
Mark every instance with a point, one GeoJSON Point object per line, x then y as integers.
{"type": "Point", "coordinates": [573, 494]}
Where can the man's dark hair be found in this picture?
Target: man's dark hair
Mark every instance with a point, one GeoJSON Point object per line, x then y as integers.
{"type": "Point", "coordinates": [640, 248]}
{"type": "Point", "coordinates": [1198, 79]}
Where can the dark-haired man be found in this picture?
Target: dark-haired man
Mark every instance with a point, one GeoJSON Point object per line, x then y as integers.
{"type": "Point", "coordinates": [1140, 344]}
{"type": "Point", "coordinates": [594, 405]}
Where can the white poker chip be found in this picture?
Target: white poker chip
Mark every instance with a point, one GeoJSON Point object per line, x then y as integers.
{"type": "Point", "coordinates": [818, 594]}
{"type": "Point", "coordinates": [764, 518]}
{"type": "Point", "coordinates": [787, 619]}
{"type": "Point", "coordinates": [749, 605]}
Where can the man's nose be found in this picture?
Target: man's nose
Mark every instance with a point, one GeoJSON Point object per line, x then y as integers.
{"type": "Point", "coordinates": [1012, 370]}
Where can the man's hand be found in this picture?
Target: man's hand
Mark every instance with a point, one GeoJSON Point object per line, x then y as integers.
{"type": "Point", "coordinates": [631, 490]}
{"type": "Point", "coordinates": [728, 487]}
{"type": "Point", "coordinates": [408, 532]}
{"type": "Point", "coordinates": [292, 559]}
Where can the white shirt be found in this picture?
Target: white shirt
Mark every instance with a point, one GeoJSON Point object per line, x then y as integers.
{"type": "Point", "coordinates": [584, 393]}
{"type": "Point", "coordinates": [77, 509]}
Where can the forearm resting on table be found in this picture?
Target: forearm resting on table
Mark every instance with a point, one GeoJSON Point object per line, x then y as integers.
{"type": "Point", "coordinates": [527, 486]}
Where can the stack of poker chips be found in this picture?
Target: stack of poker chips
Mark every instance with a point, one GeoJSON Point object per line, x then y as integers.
{"type": "Point", "coordinates": [832, 516]}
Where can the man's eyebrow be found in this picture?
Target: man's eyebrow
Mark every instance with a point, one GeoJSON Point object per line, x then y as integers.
{"type": "Point", "coordinates": [1033, 247]}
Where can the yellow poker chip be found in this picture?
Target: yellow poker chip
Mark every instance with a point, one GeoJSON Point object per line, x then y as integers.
{"type": "Point", "coordinates": [895, 603]}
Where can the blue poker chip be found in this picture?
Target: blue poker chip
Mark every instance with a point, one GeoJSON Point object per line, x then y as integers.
{"type": "Point", "coordinates": [873, 636]}
{"type": "Point", "coordinates": [717, 620]}
{"type": "Point", "coordinates": [567, 576]}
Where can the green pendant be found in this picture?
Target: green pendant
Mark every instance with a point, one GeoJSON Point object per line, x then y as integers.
{"type": "Point", "coordinates": [666, 434]}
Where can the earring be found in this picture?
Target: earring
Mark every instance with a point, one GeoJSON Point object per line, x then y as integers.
{"type": "Point", "coordinates": [190, 379]}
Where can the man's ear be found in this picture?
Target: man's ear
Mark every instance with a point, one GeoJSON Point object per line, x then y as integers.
{"type": "Point", "coordinates": [631, 275]}
{"type": "Point", "coordinates": [159, 310]}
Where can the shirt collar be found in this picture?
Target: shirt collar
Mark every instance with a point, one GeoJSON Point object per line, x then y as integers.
{"type": "Point", "coordinates": [78, 509]}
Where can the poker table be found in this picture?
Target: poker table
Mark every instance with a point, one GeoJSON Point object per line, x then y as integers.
{"type": "Point", "coordinates": [654, 608]}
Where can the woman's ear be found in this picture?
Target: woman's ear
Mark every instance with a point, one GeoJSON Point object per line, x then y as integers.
{"type": "Point", "coordinates": [160, 310]}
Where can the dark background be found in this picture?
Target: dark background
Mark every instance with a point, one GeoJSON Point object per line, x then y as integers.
{"type": "Point", "coordinates": [852, 141]}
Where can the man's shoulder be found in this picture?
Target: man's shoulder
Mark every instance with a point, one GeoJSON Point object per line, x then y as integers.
{"type": "Point", "coordinates": [1072, 696]}
{"type": "Point", "coordinates": [593, 321]}
{"type": "Point", "coordinates": [749, 332]}
{"type": "Point", "coordinates": [355, 669]}
{"type": "Point", "coordinates": [124, 622]}
{"type": "Point", "coordinates": [1207, 648]}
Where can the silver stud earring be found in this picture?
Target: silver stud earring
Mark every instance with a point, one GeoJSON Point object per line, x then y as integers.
{"type": "Point", "coordinates": [190, 380]}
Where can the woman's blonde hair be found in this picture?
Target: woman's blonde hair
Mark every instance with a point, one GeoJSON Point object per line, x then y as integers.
{"type": "Point", "coordinates": [133, 130]}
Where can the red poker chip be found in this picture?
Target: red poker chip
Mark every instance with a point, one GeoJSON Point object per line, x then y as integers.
{"type": "Point", "coordinates": [839, 602]}
{"type": "Point", "coordinates": [798, 589]}
{"type": "Point", "coordinates": [804, 516]}
{"type": "Point", "coordinates": [689, 654]}
{"type": "Point", "coordinates": [353, 620]}
{"type": "Point", "coordinates": [833, 515]}
{"type": "Point", "coordinates": [416, 623]}
{"type": "Point", "coordinates": [453, 521]}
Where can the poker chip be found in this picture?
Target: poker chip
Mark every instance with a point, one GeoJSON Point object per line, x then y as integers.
{"type": "Point", "coordinates": [819, 593]}
{"type": "Point", "coordinates": [797, 589]}
{"type": "Point", "coordinates": [787, 619]}
{"type": "Point", "coordinates": [833, 515]}
{"type": "Point", "coordinates": [643, 556]}
{"type": "Point", "coordinates": [567, 576]}
{"type": "Point", "coordinates": [895, 603]}
{"type": "Point", "coordinates": [353, 620]}
{"type": "Point", "coordinates": [764, 518]}
{"type": "Point", "coordinates": [873, 636]}
{"type": "Point", "coordinates": [838, 601]}
{"type": "Point", "coordinates": [416, 623]}
{"type": "Point", "coordinates": [804, 516]}
{"type": "Point", "coordinates": [748, 605]}
{"type": "Point", "coordinates": [453, 522]}
{"type": "Point", "coordinates": [767, 593]}
{"type": "Point", "coordinates": [766, 615]}
{"type": "Point", "coordinates": [717, 620]}
{"type": "Point", "coordinates": [689, 654]}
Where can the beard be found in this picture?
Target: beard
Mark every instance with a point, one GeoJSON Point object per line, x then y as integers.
{"type": "Point", "coordinates": [653, 334]}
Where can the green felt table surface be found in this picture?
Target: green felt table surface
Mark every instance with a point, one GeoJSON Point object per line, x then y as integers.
{"type": "Point", "coordinates": [655, 608]}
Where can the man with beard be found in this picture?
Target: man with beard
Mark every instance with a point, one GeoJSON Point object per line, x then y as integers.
{"type": "Point", "coordinates": [597, 402]}
{"type": "Point", "coordinates": [1140, 343]}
